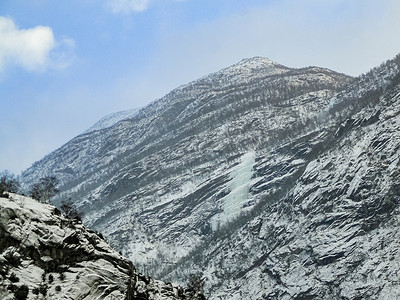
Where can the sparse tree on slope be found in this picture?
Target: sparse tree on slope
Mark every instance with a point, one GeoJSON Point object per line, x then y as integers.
{"type": "Point", "coordinates": [45, 189]}
{"type": "Point", "coordinates": [8, 183]}
{"type": "Point", "coordinates": [195, 287]}
{"type": "Point", "coordinates": [69, 210]}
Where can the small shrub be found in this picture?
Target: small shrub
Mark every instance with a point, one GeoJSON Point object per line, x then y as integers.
{"type": "Point", "coordinates": [22, 292]}
{"type": "Point", "coordinates": [45, 189]}
{"type": "Point", "coordinates": [8, 183]}
{"type": "Point", "coordinates": [51, 278]}
{"type": "Point", "coordinates": [56, 211]}
{"type": "Point", "coordinates": [14, 278]}
{"type": "Point", "coordinates": [58, 288]}
{"type": "Point", "coordinates": [195, 285]}
{"type": "Point", "coordinates": [13, 258]}
{"type": "Point", "coordinates": [4, 270]}
{"type": "Point", "coordinates": [61, 276]}
{"type": "Point", "coordinates": [35, 291]}
{"type": "Point", "coordinates": [43, 289]}
{"type": "Point", "coordinates": [70, 211]}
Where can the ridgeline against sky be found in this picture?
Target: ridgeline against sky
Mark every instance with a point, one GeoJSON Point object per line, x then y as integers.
{"type": "Point", "coordinates": [64, 65]}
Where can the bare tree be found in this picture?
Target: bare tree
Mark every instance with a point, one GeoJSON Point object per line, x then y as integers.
{"type": "Point", "coordinates": [8, 183]}
{"type": "Point", "coordinates": [45, 189]}
{"type": "Point", "coordinates": [69, 210]}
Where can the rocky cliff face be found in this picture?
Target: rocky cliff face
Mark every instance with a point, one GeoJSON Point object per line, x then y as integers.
{"type": "Point", "coordinates": [274, 183]}
{"type": "Point", "coordinates": [44, 255]}
{"type": "Point", "coordinates": [328, 226]}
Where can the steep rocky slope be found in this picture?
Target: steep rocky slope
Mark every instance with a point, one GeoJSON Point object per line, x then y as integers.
{"type": "Point", "coordinates": [153, 184]}
{"type": "Point", "coordinates": [44, 255]}
{"type": "Point", "coordinates": [259, 176]}
{"type": "Point", "coordinates": [333, 231]}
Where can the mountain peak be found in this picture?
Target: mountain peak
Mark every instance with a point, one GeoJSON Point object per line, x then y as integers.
{"type": "Point", "coordinates": [255, 65]}
{"type": "Point", "coordinates": [259, 60]}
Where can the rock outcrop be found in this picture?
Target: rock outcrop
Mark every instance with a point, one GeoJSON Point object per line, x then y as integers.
{"type": "Point", "coordinates": [44, 255]}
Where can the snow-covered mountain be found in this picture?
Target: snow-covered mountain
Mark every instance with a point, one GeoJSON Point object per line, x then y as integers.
{"type": "Point", "coordinates": [328, 224]}
{"type": "Point", "coordinates": [273, 182]}
{"type": "Point", "coordinates": [45, 255]}
{"type": "Point", "coordinates": [112, 119]}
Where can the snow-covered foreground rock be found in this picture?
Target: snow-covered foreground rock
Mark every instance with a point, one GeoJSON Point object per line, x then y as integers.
{"type": "Point", "coordinates": [44, 255]}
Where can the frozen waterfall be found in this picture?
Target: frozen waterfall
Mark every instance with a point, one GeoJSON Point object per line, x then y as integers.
{"type": "Point", "coordinates": [239, 188]}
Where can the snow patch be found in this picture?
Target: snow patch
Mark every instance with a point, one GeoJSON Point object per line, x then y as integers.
{"type": "Point", "coordinates": [113, 119]}
{"type": "Point", "coordinates": [232, 203]}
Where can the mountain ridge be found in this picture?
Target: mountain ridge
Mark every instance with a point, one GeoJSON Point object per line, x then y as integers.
{"type": "Point", "coordinates": [216, 152]}
{"type": "Point", "coordinates": [159, 102]}
{"type": "Point", "coordinates": [112, 119]}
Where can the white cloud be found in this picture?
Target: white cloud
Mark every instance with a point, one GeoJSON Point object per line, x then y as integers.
{"type": "Point", "coordinates": [128, 6]}
{"type": "Point", "coordinates": [31, 49]}
{"type": "Point", "coordinates": [131, 6]}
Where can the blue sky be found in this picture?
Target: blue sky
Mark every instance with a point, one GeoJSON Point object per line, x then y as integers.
{"type": "Point", "coordinates": [66, 64]}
